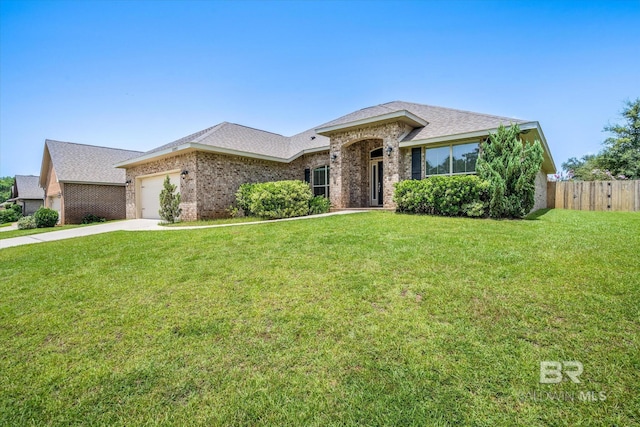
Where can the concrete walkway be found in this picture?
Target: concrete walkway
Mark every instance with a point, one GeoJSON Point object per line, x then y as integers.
{"type": "Point", "coordinates": [13, 226]}
{"type": "Point", "coordinates": [134, 225]}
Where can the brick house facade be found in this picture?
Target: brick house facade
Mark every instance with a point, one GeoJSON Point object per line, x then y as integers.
{"type": "Point", "coordinates": [209, 187]}
{"type": "Point", "coordinates": [365, 152]}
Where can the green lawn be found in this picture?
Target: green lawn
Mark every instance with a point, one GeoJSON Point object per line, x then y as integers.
{"type": "Point", "coordinates": [374, 319]}
{"type": "Point", "coordinates": [220, 221]}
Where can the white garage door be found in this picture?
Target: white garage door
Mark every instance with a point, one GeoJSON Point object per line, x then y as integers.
{"type": "Point", "coordinates": [150, 189]}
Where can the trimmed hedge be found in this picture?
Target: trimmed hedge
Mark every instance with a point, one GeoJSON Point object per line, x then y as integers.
{"type": "Point", "coordinates": [46, 217]}
{"type": "Point", "coordinates": [91, 218]}
{"type": "Point", "coordinates": [274, 200]}
{"type": "Point", "coordinates": [243, 198]}
{"type": "Point", "coordinates": [442, 195]}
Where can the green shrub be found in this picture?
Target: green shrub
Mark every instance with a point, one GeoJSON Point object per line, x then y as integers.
{"type": "Point", "coordinates": [273, 200]}
{"type": "Point", "coordinates": [474, 209]}
{"type": "Point", "coordinates": [243, 198]}
{"type": "Point", "coordinates": [510, 166]}
{"type": "Point", "coordinates": [10, 214]}
{"type": "Point", "coordinates": [319, 205]}
{"type": "Point", "coordinates": [17, 209]}
{"type": "Point", "coordinates": [91, 218]}
{"type": "Point", "coordinates": [26, 223]}
{"type": "Point", "coordinates": [441, 195]}
{"type": "Point", "coordinates": [233, 211]}
{"type": "Point", "coordinates": [45, 217]}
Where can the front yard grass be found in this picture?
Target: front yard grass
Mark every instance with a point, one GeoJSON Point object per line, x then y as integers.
{"type": "Point", "coordinates": [220, 221]}
{"type": "Point", "coordinates": [375, 318]}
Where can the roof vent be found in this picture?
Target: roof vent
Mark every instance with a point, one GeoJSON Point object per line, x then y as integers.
{"type": "Point", "coordinates": [313, 137]}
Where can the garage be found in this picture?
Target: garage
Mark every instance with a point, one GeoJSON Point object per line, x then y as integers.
{"type": "Point", "coordinates": [150, 188]}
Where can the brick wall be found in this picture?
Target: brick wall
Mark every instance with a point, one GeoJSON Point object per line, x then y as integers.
{"type": "Point", "coordinates": [107, 201]}
{"type": "Point", "coordinates": [209, 188]}
{"type": "Point", "coordinates": [348, 187]}
{"type": "Point", "coordinates": [219, 176]}
{"type": "Point", "coordinates": [358, 157]}
{"type": "Point", "coordinates": [187, 186]}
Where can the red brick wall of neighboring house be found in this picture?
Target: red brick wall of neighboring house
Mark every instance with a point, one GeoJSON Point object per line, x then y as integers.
{"type": "Point", "coordinates": [106, 201]}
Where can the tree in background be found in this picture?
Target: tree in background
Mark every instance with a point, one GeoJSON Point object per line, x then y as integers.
{"type": "Point", "coordinates": [510, 166]}
{"type": "Point", "coordinates": [169, 202]}
{"type": "Point", "coordinates": [5, 188]}
{"type": "Point", "coordinates": [620, 158]}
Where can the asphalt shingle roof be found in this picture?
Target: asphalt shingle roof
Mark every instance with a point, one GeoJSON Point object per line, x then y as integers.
{"type": "Point", "coordinates": [440, 122]}
{"type": "Point", "coordinates": [236, 137]}
{"type": "Point", "coordinates": [28, 187]}
{"type": "Point", "coordinates": [88, 163]}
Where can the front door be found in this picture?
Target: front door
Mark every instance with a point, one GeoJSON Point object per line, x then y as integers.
{"type": "Point", "coordinates": [375, 189]}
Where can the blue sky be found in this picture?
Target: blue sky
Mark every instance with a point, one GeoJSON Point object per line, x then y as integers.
{"type": "Point", "coordinates": [138, 74]}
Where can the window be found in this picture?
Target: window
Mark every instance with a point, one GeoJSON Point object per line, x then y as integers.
{"type": "Point", "coordinates": [321, 181]}
{"type": "Point", "coordinates": [452, 159]}
{"type": "Point", "coordinates": [464, 157]}
{"type": "Point", "coordinates": [438, 160]}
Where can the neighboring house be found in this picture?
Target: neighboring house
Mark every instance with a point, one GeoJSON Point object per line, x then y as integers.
{"type": "Point", "coordinates": [27, 193]}
{"type": "Point", "coordinates": [80, 179]}
{"type": "Point", "coordinates": [355, 160]}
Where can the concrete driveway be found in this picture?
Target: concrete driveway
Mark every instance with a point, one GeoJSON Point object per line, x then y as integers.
{"type": "Point", "coordinates": [132, 225]}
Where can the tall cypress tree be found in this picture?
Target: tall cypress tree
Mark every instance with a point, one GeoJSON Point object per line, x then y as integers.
{"type": "Point", "coordinates": [510, 165]}
{"type": "Point", "coordinates": [169, 202]}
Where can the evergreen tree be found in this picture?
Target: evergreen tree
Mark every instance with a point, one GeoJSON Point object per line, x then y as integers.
{"type": "Point", "coordinates": [169, 202]}
{"type": "Point", "coordinates": [510, 166]}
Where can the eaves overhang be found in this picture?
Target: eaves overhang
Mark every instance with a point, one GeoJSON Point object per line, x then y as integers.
{"type": "Point", "coordinates": [527, 126]}
{"type": "Point", "coordinates": [192, 146]}
{"type": "Point", "coordinates": [403, 116]}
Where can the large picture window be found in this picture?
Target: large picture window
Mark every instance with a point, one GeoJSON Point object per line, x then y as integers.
{"type": "Point", "coordinates": [320, 182]}
{"type": "Point", "coordinates": [438, 160]}
{"type": "Point", "coordinates": [452, 159]}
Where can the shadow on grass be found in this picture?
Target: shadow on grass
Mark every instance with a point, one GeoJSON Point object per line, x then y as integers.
{"type": "Point", "coordinates": [533, 216]}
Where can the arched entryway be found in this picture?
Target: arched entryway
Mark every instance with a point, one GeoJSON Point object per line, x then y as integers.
{"type": "Point", "coordinates": [362, 174]}
{"type": "Point", "coordinates": [352, 166]}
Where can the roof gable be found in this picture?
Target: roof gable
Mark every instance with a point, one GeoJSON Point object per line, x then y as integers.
{"type": "Point", "coordinates": [27, 187]}
{"type": "Point", "coordinates": [84, 163]}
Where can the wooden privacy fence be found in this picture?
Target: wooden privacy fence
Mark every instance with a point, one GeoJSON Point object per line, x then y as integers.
{"type": "Point", "coordinates": [594, 195]}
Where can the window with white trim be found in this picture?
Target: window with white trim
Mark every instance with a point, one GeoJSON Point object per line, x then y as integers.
{"type": "Point", "coordinates": [452, 159]}
{"type": "Point", "coordinates": [320, 182]}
